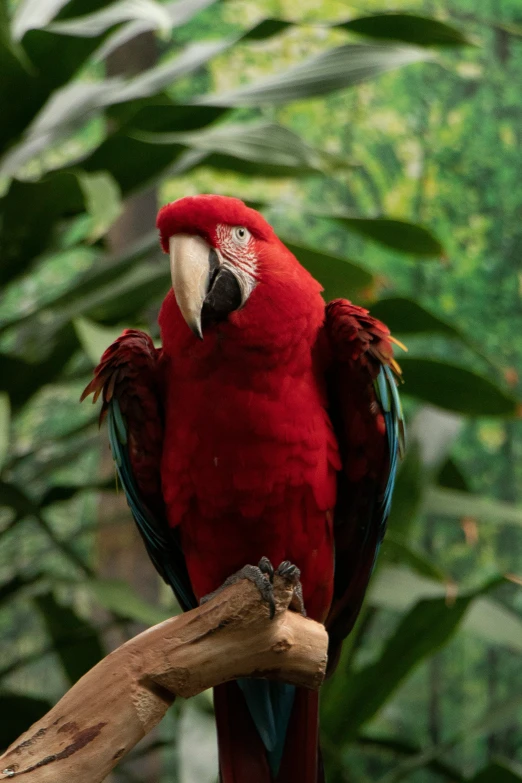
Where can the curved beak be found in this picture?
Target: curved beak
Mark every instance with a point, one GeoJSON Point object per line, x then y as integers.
{"type": "Point", "coordinates": [190, 272]}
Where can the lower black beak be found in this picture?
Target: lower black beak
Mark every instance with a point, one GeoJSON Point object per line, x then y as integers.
{"type": "Point", "coordinates": [224, 295]}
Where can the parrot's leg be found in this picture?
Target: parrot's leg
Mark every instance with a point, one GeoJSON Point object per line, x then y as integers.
{"type": "Point", "coordinates": [262, 576]}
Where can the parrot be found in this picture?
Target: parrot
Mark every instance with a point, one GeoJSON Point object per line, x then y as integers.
{"type": "Point", "coordinates": [265, 433]}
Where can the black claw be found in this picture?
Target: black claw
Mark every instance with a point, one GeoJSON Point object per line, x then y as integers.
{"type": "Point", "coordinates": [292, 574]}
{"type": "Point", "coordinates": [266, 567]}
{"type": "Point", "coordinates": [289, 571]}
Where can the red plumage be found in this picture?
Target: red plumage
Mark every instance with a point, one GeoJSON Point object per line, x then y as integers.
{"type": "Point", "coordinates": [270, 440]}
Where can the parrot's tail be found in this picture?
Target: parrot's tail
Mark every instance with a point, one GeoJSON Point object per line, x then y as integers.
{"type": "Point", "coordinates": [242, 754]}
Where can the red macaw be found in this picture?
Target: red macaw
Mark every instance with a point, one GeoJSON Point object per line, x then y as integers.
{"type": "Point", "coordinates": [267, 426]}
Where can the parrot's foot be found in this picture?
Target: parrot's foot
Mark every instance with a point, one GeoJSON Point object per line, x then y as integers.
{"type": "Point", "coordinates": [292, 575]}
{"type": "Point", "coordinates": [262, 576]}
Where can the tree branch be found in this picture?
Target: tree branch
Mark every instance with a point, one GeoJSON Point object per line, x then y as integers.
{"type": "Point", "coordinates": [121, 699]}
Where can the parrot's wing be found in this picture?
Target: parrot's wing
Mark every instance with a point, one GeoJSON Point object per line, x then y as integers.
{"type": "Point", "coordinates": [128, 378]}
{"type": "Point", "coordinates": [366, 413]}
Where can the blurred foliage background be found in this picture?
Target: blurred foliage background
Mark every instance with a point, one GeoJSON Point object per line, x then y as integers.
{"type": "Point", "coordinates": [385, 149]}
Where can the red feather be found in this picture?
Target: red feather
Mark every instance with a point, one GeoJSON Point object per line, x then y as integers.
{"type": "Point", "coordinates": [130, 370]}
{"type": "Point", "coordinates": [242, 755]}
{"type": "Point", "coordinates": [301, 760]}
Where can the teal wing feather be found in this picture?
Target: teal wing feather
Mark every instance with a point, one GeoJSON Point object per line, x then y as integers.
{"type": "Point", "coordinates": [161, 541]}
{"type": "Point", "coordinates": [128, 380]}
{"type": "Point", "coordinates": [270, 705]}
{"type": "Point", "coordinates": [388, 397]}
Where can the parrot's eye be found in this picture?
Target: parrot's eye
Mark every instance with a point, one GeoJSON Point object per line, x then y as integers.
{"type": "Point", "coordinates": [241, 234]}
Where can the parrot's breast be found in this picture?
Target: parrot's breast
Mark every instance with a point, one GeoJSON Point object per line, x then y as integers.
{"type": "Point", "coordinates": [249, 470]}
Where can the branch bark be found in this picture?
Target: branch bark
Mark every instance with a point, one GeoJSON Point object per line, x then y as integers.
{"type": "Point", "coordinates": [121, 699]}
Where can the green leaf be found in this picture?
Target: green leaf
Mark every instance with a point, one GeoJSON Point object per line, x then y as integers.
{"type": "Point", "coordinates": [508, 27]}
{"type": "Point", "coordinates": [94, 338]}
{"type": "Point", "coordinates": [54, 61]}
{"type": "Point", "coordinates": [422, 631]}
{"type": "Point", "coordinates": [160, 113]}
{"type": "Point", "coordinates": [408, 493]}
{"type": "Point", "coordinates": [49, 199]}
{"type": "Point", "coordinates": [119, 598]}
{"type": "Point", "coordinates": [75, 640]}
{"type": "Point", "coordinates": [46, 460]}
{"type": "Point", "coordinates": [66, 109]}
{"type": "Point", "coordinates": [399, 235]}
{"type": "Point", "coordinates": [5, 420]}
{"type": "Point", "coordinates": [338, 276]}
{"type": "Point", "coordinates": [455, 504]}
{"type": "Point", "coordinates": [102, 201]}
{"type": "Point", "coordinates": [450, 476]}
{"type": "Point", "coordinates": [13, 60]}
{"type": "Point", "coordinates": [15, 585]}
{"type": "Point", "coordinates": [433, 431]}
{"type": "Point", "coordinates": [21, 379]}
{"type": "Point", "coordinates": [409, 28]}
{"type": "Point", "coordinates": [156, 79]}
{"type": "Point", "coordinates": [494, 719]}
{"type": "Point", "coordinates": [498, 773]}
{"type": "Point", "coordinates": [17, 714]}
{"type": "Point", "coordinates": [399, 587]}
{"type": "Point", "coordinates": [12, 496]}
{"type": "Point", "coordinates": [152, 13]}
{"type": "Point", "coordinates": [33, 15]}
{"type": "Point", "coordinates": [334, 69]}
{"type": "Point", "coordinates": [58, 493]}
{"type": "Point", "coordinates": [267, 28]}
{"type": "Point", "coordinates": [103, 271]}
{"type": "Point", "coordinates": [78, 101]}
{"type": "Point", "coordinates": [405, 316]}
{"type": "Point", "coordinates": [397, 549]}
{"type": "Point", "coordinates": [368, 738]}
{"type": "Point", "coordinates": [130, 162]}
{"type": "Point", "coordinates": [133, 162]}
{"type": "Point", "coordinates": [123, 298]}
{"type": "Point", "coordinates": [395, 234]}
{"type": "Point", "coordinates": [494, 623]}
{"type": "Point", "coordinates": [179, 13]}
{"type": "Point", "coordinates": [275, 151]}
{"type": "Point", "coordinates": [454, 388]}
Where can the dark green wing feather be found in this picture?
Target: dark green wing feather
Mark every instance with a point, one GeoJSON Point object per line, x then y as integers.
{"type": "Point", "coordinates": [162, 542]}
{"type": "Point", "coordinates": [128, 380]}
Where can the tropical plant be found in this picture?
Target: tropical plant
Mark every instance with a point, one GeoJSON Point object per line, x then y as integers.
{"type": "Point", "coordinates": [77, 143]}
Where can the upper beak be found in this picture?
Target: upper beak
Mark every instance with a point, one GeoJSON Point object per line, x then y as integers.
{"type": "Point", "coordinates": [190, 271]}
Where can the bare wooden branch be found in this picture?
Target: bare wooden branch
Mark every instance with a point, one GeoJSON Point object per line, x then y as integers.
{"type": "Point", "coordinates": [121, 699]}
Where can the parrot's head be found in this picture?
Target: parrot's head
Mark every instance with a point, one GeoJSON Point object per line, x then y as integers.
{"type": "Point", "coordinates": [231, 272]}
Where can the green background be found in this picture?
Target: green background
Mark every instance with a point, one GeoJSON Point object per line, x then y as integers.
{"type": "Point", "coordinates": [400, 190]}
